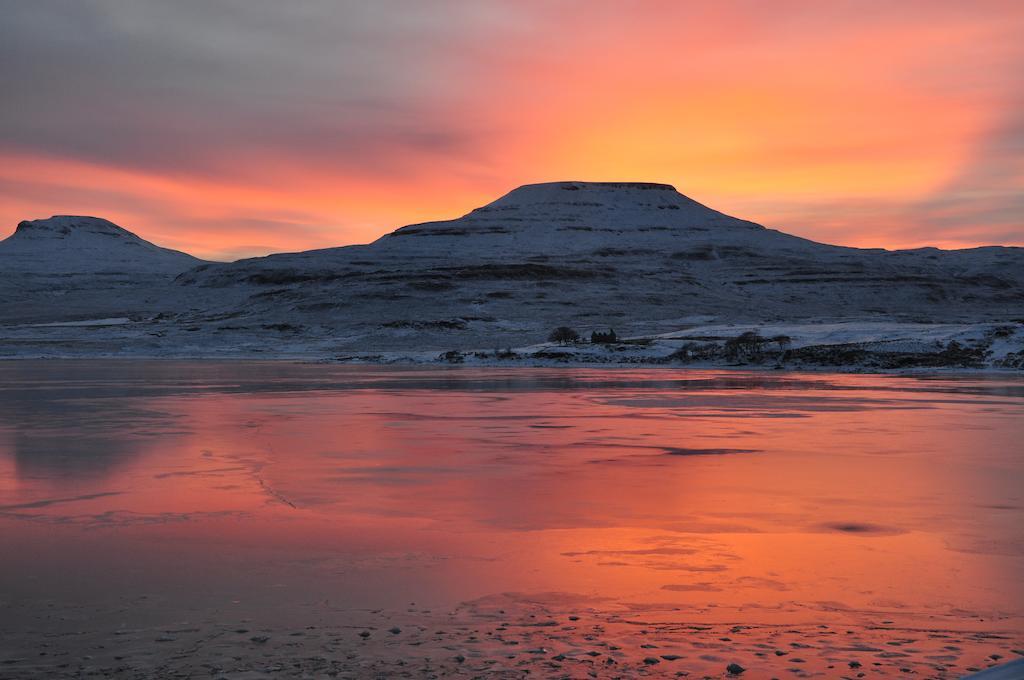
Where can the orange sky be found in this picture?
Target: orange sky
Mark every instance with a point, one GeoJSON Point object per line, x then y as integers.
{"type": "Point", "coordinates": [235, 130]}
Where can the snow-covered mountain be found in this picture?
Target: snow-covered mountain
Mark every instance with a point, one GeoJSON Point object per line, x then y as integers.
{"type": "Point", "coordinates": [70, 244]}
{"type": "Point", "coordinates": [598, 254]}
{"type": "Point", "coordinates": [638, 257]}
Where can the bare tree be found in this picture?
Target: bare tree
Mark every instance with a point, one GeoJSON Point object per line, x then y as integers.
{"type": "Point", "coordinates": [564, 335]}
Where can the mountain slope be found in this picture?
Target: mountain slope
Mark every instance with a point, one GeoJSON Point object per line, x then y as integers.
{"type": "Point", "coordinates": [68, 244]}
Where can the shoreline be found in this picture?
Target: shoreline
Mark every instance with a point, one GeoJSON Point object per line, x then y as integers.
{"type": "Point", "coordinates": [518, 636]}
{"type": "Point", "coordinates": [435, 362]}
{"type": "Point", "coordinates": [847, 346]}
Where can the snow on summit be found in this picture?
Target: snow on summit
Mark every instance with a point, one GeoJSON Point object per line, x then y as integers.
{"type": "Point", "coordinates": [71, 244]}
{"type": "Point", "coordinates": [573, 216]}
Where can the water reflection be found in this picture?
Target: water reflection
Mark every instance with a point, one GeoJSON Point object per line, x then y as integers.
{"type": "Point", "coordinates": [59, 427]}
{"type": "Point", "coordinates": [270, 482]}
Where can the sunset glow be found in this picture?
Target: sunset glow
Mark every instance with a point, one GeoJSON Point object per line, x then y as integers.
{"type": "Point", "coordinates": [253, 128]}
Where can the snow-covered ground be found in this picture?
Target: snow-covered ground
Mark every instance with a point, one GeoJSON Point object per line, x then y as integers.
{"type": "Point", "coordinates": [675, 276]}
{"type": "Point", "coordinates": [847, 345]}
{"type": "Point", "coordinates": [838, 345]}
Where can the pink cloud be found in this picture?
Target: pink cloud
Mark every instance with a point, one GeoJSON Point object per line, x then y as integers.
{"type": "Point", "coordinates": [861, 123]}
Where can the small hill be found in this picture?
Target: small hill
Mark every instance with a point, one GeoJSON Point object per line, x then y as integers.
{"type": "Point", "coordinates": [70, 244]}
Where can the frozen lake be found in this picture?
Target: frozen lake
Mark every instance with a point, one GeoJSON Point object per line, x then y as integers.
{"type": "Point", "coordinates": [252, 519]}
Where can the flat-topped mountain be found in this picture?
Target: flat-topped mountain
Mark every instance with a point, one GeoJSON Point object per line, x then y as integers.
{"type": "Point", "coordinates": [588, 206]}
{"type": "Point", "coordinates": [639, 244]}
{"type": "Point", "coordinates": [70, 244]}
{"type": "Point", "coordinates": [575, 217]}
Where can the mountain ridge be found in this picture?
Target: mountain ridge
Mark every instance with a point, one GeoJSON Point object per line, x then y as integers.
{"type": "Point", "coordinates": [586, 255]}
{"type": "Point", "coordinates": [538, 195]}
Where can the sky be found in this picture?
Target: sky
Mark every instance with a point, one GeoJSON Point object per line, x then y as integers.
{"type": "Point", "coordinates": [233, 128]}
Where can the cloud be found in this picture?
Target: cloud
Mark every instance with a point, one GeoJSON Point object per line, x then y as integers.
{"type": "Point", "coordinates": [857, 122]}
{"type": "Point", "coordinates": [987, 193]}
{"type": "Point", "coordinates": [188, 86]}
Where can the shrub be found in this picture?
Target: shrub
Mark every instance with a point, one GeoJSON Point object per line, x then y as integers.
{"type": "Point", "coordinates": [597, 337]}
{"type": "Point", "coordinates": [453, 356]}
{"type": "Point", "coordinates": [745, 347]}
{"type": "Point", "coordinates": [696, 351]}
{"type": "Point", "coordinates": [956, 354]}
